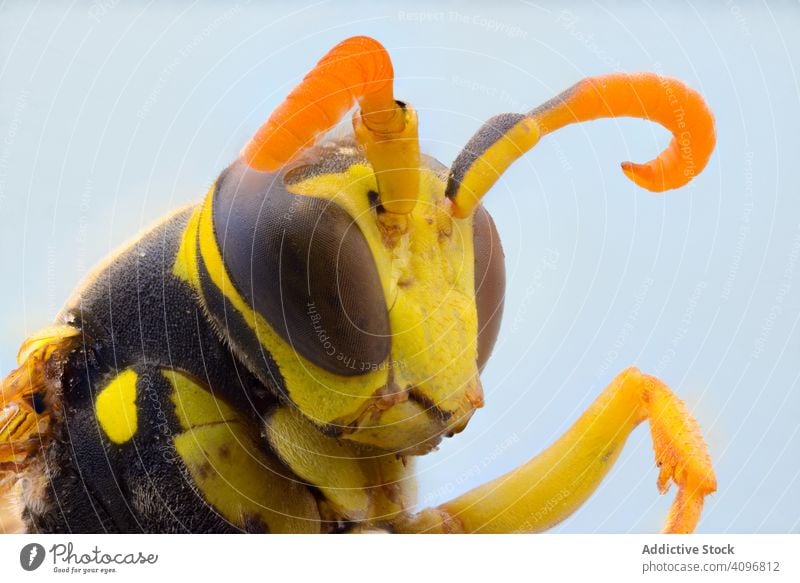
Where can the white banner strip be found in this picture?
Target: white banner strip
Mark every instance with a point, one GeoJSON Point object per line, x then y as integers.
{"type": "Point", "coordinates": [229, 559]}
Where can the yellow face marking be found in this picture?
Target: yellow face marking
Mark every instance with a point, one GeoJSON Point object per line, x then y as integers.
{"type": "Point", "coordinates": [434, 318]}
{"type": "Point", "coordinates": [349, 190]}
{"type": "Point", "coordinates": [324, 396]}
{"type": "Point", "coordinates": [429, 282]}
{"type": "Point", "coordinates": [359, 482]}
{"type": "Point", "coordinates": [243, 483]}
{"type": "Point", "coordinates": [116, 407]}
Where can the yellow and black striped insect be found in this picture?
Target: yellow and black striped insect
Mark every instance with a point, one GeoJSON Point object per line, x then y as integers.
{"type": "Point", "coordinates": [273, 358]}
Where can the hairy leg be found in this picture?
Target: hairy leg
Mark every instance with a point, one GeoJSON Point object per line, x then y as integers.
{"type": "Point", "coordinates": [551, 486]}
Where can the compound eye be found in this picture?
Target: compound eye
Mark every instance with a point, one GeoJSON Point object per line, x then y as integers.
{"type": "Point", "coordinates": [304, 265]}
{"type": "Point", "coordinates": [490, 281]}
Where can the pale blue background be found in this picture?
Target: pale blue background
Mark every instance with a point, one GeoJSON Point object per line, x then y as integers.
{"type": "Point", "coordinates": [113, 114]}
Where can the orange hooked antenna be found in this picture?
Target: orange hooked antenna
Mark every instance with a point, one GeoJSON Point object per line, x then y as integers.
{"type": "Point", "coordinates": [506, 137]}
{"type": "Point", "coordinates": [357, 69]}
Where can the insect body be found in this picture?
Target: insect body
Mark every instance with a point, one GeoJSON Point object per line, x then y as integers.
{"type": "Point", "coordinates": [273, 358]}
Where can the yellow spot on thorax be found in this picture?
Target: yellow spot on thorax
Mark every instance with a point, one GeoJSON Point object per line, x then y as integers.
{"type": "Point", "coordinates": [115, 407]}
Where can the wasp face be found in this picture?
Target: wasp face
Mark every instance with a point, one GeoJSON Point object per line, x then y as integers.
{"type": "Point", "coordinates": [366, 282]}
{"type": "Point", "coordinates": [376, 331]}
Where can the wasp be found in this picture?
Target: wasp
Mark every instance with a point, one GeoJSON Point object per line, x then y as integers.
{"type": "Point", "coordinates": [274, 357]}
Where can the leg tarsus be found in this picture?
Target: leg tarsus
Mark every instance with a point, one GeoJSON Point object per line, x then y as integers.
{"type": "Point", "coordinates": [684, 512]}
{"type": "Point", "coordinates": [681, 455]}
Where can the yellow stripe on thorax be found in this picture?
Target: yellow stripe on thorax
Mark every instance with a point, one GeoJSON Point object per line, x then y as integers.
{"type": "Point", "coordinates": [220, 449]}
{"type": "Point", "coordinates": [185, 266]}
{"type": "Point", "coordinates": [194, 405]}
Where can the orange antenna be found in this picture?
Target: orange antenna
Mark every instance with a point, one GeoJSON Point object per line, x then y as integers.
{"type": "Point", "coordinates": [504, 138]}
{"type": "Point", "coordinates": [357, 69]}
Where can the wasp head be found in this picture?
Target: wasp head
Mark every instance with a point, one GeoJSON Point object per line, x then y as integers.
{"type": "Point", "coordinates": [364, 280]}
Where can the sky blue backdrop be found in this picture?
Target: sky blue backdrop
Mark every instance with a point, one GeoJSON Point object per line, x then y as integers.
{"type": "Point", "coordinates": [112, 114]}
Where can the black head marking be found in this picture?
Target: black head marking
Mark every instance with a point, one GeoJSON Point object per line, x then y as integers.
{"type": "Point", "coordinates": [303, 263]}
